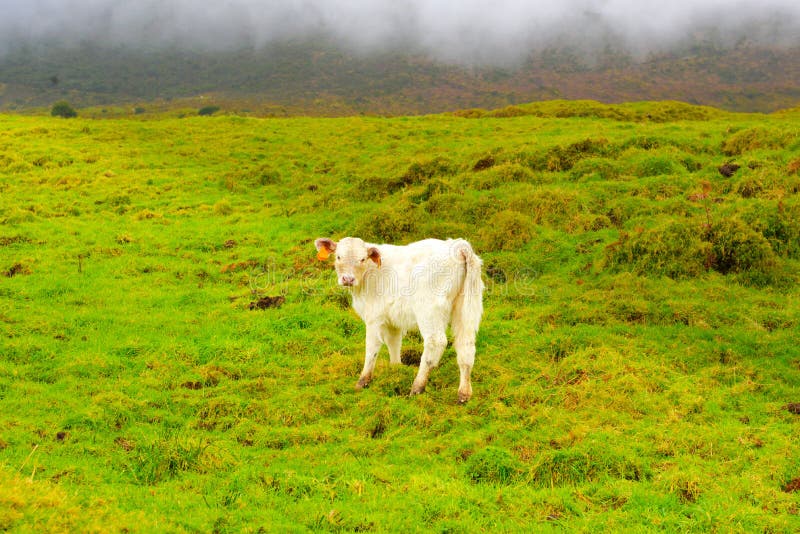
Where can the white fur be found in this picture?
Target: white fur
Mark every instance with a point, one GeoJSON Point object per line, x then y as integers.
{"type": "Point", "coordinates": [424, 285]}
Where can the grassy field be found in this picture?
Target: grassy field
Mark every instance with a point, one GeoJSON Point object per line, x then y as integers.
{"type": "Point", "coordinates": [638, 365]}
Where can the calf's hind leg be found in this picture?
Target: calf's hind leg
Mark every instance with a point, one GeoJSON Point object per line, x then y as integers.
{"type": "Point", "coordinates": [434, 342]}
{"type": "Point", "coordinates": [465, 354]}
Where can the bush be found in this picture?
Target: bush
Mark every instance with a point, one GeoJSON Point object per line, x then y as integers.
{"type": "Point", "coordinates": [63, 109]}
{"type": "Point", "coordinates": [780, 226]}
{"type": "Point", "coordinates": [572, 467]}
{"type": "Point", "coordinates": [499, 175]}
{"type": "Point", "coordinates": [749, 187]}
{"type": "Point", "coordinates": [595, 169]}
{"type": "Point", "coordinates": [654, 166]}
{"type": "Point", "coordinates": [419, 171]}
{"type": "Point", "coordinates": [752, 139]}
{"type": "Point", "coordinates": [393, 224]}
{"type": "Point", "coordinates": [208, 110]}
{"type": "Point", "coordinates": [550, 206]}
{"type": "Point", "coordinates": [467, 208]}
{"type": "Point", "coordinates": [223, 207]}
{"type": "Point", "coordinates": [737, 248]}
{"type": "Point", "coordinates": [560, 158]}
{"type": "Point", "coordinates": [506, 230]}
{"type": "Point", "coordinates": [254, 176]}
{"type": "Point", "coordinates": [675, 249]}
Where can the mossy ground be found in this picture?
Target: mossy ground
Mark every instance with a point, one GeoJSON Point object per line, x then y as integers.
{"type": "Point", "coordinates": [637, 355]}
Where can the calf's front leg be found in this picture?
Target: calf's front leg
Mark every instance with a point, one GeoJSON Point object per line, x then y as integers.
{"type": "Point", "coordinates": [373, 345]}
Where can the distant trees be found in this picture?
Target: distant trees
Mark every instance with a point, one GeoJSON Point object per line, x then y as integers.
{"type": "Point", "coordinates": [63, 109]}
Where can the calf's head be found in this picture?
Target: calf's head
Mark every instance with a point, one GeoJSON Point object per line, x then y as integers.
{"type": "Point", "coordinates": [353, 258]}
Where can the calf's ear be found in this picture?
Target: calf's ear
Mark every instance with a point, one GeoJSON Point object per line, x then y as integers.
{"type": "Point", "coordinates": [374, 254]}
{"type": "Point", "coordinates": [325, 246]}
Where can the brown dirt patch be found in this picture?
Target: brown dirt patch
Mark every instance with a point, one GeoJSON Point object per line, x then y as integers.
{"type": "Point", "coordinates": [16, 269]}
{"type": "Point", "coordinates": [267, 302]}
{"type": "Point", "coordinates": [410, 357]}
{"type": "Point", "coordinates": [792, 486]}
{"type": "Point", "coordinates": [124, 443]}
{"type": "Point", "coordinates": [728, 169]}
{"type": "Point", "coordinates": [484, 163]}
{"type": "Point", "coordinates": [793, 407]}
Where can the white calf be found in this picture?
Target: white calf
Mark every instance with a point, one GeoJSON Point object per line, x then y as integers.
{"type": "Point", "coordinates": [426, 286]}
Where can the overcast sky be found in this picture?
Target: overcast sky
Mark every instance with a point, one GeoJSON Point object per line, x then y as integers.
{"type": "Point", "coordinates": [467, 31]}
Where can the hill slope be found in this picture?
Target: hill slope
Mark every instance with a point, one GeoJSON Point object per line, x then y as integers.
{"type": "Point", "coordinates": [317, 78]}
{"type": "Point", "coordinates": [637, 362]}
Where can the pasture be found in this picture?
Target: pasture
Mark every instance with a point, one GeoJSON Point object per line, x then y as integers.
{"type": "Point", "coordinates": [174, 358]}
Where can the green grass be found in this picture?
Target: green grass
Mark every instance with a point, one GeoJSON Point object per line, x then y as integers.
{"type": "Point", "coordinates": [638, 349]}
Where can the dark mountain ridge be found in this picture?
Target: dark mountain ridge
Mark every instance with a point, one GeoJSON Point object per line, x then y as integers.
{"type": "Point", "coordinates": [319, 78]}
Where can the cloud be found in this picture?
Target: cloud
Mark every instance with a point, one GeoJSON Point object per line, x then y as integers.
{"type": "Point", "coordinates": [467, 31]}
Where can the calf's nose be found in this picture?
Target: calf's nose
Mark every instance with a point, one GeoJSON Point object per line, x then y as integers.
{"type": "Point", "coordinates": [348, 279]}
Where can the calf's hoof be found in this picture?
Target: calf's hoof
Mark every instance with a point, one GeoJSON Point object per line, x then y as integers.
{"type": "Point", "coordinates": [416, 390]}
{"type": "Point", "coordinates": [464, 396]}
{"type": "Point", "coordinates": [362, 383]}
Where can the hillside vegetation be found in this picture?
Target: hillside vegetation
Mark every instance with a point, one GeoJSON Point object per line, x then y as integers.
{"type": "Point", "coordinates": [318, 77]}
{"type": "Point", "coordinates": [173, 357]}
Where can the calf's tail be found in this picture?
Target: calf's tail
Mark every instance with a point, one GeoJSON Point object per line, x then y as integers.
{"type": "Point", "coordinates": [468, 305]}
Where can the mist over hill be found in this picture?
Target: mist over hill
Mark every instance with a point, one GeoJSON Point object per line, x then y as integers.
{"type": "Point", "coordinates": [398, 57]}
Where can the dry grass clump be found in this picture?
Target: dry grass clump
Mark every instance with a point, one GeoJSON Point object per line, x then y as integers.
{"type": "Point", "coordinates": [506, 230]}
{"type": "Point", "coordinates": [753, 139]}
{"type": "Point", "coordinates": [779, 224]}
{"type": "Point", "coordinates": [389, 224]}
{"type": "Point", "coordinates": [674, 249]}
{"type": "Point", "coordinates": [598, 168]}
{"type": "Point", "coordinates": [493, 465]}
{"type": "Point", "coordinates": [684, 248]}
{"type": "Point", "coordinates": [737, 248]}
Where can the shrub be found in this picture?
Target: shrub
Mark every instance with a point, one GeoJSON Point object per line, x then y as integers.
{"type": "Point", "coordinates": [595, 169]}
{"type": "Point", "coordinates": [63, 109]}
{"type": "Point", "coordinates": [473, 113]}
{"type": "Point", "coordinates": [393, 224]}
{"type": "Point", "coordinates": [507, 112]}
{"type": "Point", "coordinates": [654, 166]}
{"type": "Point", "coordinates": [223, 207]}
{"type": "Point", "coordinates": [560, 158]}
{"type": "Point", "coordinates": [503, 267]}
{"type": "Point", "coordinates": [737, 248]}
{"type": "Point", "coordinates": [499, 175]}
{"type": "Point", "coordinates": [167, 458]}
{"type": "Point", "coordinates": [780, 225]}
{"type": "Point", "coordinates": [752, 139]}
{"type": "Point", "coordinates": [550, 206]}
{"type": "Point", "coordinates": [486, 162]}
{"type": "Point", "coordinates": [573, 467]}
{"type": "Point", "coordinates": [467, 208]}
{"type": "Point", "coordinates": [419, 171]}
{"type": "Point", "coordinates": [254, 176]}
{"type": "Point", "coordinates": [506, 230]}
{"type": "Point", "coordinates": [492, 465]}
{"type": "Point", "coordinates": [749, 187]}
{"type": "Point", "coordinates": [424, 192]}
{"type": "Point", "coordinates": [674, 249]}
{"type": "Point", "coordinates": [207, 110]}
